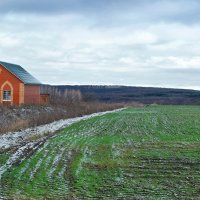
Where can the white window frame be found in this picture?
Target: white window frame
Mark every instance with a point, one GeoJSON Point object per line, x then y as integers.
{"type": "Point", "coordinates": [7, 95]}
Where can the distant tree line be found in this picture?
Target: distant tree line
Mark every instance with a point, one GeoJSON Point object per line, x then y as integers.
{"type": "Point", "coordinates": [128, 94]}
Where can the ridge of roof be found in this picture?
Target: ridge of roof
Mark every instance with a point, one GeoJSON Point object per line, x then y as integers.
{"type": "Point", "coordinates": [20, 73]}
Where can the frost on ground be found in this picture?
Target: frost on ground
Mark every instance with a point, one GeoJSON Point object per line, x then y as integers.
{"type": "Point", "coordinates": [15, 139]}
{"type": "Point", "coordinates": [21, 140]}
{"type": "Point", "coordinates": [20, 154]}
{"type": "Point", "coordinates": [124, 155]}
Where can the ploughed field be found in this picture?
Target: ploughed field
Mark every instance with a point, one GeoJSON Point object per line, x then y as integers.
{"type": "Point", "coordinates": [137, 153]}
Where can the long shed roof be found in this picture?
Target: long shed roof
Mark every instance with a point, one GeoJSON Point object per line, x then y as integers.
{"type": "Point", "coordinates": [21, 73]}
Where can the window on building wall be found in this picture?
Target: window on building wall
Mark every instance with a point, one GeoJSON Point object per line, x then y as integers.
{"type": "Point", "coordinates": [7, 95]}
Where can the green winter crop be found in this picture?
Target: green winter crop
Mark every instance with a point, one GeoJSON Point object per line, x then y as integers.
{"type": "Point", "coordinates": [138, 153]}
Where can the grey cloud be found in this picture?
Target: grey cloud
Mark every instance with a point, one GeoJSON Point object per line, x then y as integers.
{"type": "Point", "coordinates": [127, 42]}
{"type": "Point", "coordinates": [112, 12]}
{"type": "Point", "coordinates": [194, 73]}
{"type": "Point", "coordinates": [59, 5]}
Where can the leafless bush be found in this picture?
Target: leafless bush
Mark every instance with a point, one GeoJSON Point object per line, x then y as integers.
{"type": "Point", "coordinates": [58, 97]}
{"type": "Point", "coordinates": [62, 105]}
{"type": "Point", "coordinates": [23, 117]}
{"type": "Point", "coordinates": [19, 124]}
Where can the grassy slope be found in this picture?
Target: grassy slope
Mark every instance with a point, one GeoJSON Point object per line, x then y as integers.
{"type": "Point", "coordinates": [148, 153]}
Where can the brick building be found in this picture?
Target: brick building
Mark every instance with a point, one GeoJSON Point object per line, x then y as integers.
{"type": "Point", "coordinates": [17, 86]}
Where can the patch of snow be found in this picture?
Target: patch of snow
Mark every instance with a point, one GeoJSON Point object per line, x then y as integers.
{"type": "Point", "coordinates": [20, 154]}
{"type": "Point", "coordinates": [25, 147]}
{"type": "Point", "coordinates": [55, 162]}
{"type": "Point", "coordinates": [37, 166]}
{"type": "Point", "coordinates": [14, 139]}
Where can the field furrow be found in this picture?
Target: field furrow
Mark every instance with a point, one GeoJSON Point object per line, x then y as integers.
{"type": "Point", "coordinates": [137, 153]}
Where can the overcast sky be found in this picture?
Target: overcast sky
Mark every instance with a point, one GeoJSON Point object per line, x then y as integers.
{"type": "Point", "coordinates": [121, 42]}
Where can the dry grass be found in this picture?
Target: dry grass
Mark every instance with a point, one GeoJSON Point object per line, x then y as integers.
{"type": "Point", "coordinates": [62, 105]}
{"type": "Point", "coordinates": [138, 153]}
{"type": "Point", "coordinates": [17, 118]}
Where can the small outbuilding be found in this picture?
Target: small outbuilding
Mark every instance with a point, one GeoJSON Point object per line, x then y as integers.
{"type": "Point", "coordinates": [17, 86]}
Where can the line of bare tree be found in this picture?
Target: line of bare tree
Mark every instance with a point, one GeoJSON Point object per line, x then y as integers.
{"type": "Point", "coordinates": [58, 97]}
{"type": "Point", "coordinates": [62, 105]}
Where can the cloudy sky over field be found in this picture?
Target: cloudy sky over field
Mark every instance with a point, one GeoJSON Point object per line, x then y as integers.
{"type": "Point", "coordinates": [123, 42]}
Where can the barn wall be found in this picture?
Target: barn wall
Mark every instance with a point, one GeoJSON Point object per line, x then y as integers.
{"type": "Point", "coordinates": [32, 94]}
{"type": "Point", "coordinates": [9, 81]}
